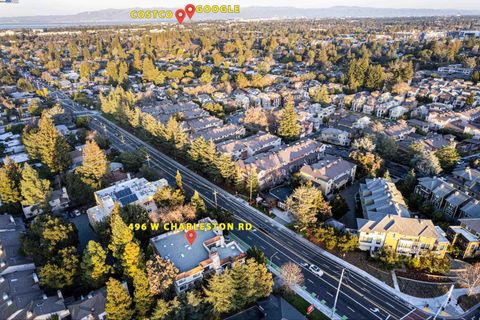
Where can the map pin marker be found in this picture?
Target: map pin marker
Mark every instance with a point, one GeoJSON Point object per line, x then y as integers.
{"type": "Point", "coordinates": [191, 234]}
{"type": "Point", "coordinates": [180, 15]}
{"type": "Point", "coordinates": [190, 10]}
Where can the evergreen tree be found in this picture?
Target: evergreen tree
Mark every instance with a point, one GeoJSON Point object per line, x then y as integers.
{"type": "Point", "coordinates": [10, 177]}
{"type": "Point", "coordinates": [35, 191]}
{"type": "Point", "coordinates": [306, 203]}
{"type": "Point", "coordinates": [260, 279]}
{"type": "Point", "coordinates": [448, 157]}
{"type": "Point", "coordinates": [252, 184]}
{"type": "Point", "coordinates": [197, 202]}
{"type": "Point", "coordinates": [61, 271]}
{"type": "Point", "coordinates": [165, 309]}
{"type": "Point", "coordinates": [339, 206]}
{"type": "Point", "coordinates": [94, 166]}
{"type": "Point", "coordinates": [242, 291]}
{"type": "Point", "coordinates": [375, 77]}
{"type": "Point", "coordinates": [141, 296]}
{"type": "Point", "coordinates": [52, 146]}
{"type": "Point", "coordinates": [94, 267]}
{"type": "Point", "coordinates": [121, 234]}
{"type": "Point", "coordinates": [161, 274]}
{"type": "Point", "coordinates": [220, 292]}
{"type": "Point", "coordinates": [178, 180]}
{"type": "Point", "coordinates": [131, 259]}
{"type": "Point", "coordinates": [119, 303]}
{"type": "Point", "coordinates": [257, 254]}
{"type": "Point", "coordinates": [289, 129]}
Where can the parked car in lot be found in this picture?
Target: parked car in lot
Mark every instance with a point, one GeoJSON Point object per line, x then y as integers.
{"type": "Point", "coordinates": [77, 212]}
{"type": "Point", "coordinates": [316, 270]}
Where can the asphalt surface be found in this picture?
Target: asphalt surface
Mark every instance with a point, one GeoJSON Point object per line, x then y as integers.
{"type": "Point", "coordinates": [359, 297]}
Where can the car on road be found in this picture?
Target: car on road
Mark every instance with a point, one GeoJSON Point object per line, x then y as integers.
{"type": "Point", "coordinates": [316, 270]}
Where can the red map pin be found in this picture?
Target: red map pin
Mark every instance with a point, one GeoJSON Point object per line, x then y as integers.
{"type": "Point", "coordinates": [190, 10]}
{"type": "Point", "coordinates": [180, 15]}
{"type": "Point", "coordinates": [191, 234]}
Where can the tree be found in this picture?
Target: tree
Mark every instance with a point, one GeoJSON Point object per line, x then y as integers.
{"type": "Point", "coordinates": [35, 191]}
{"type": "Point", "coordinates": [46, 236]}
{"type": "Point", "coordinates": [289, 129]}
{"type": "Point", "coordinates": [131, 259]}
{"type": "Point", "coordinates": [94, 267]}
{"type": "Point", "coordinates": [220, 292]}
{"type": "Point", "coordinates": [257, 254]}
{"type": "Point", "coordinates": [407, 185]}
{"type": "Point", "coordinates": [178, 180]}
{"type": "Point", "coordinates": [121, 234]}
{"type": "Point", "coordinates": [61, 271]}
{"type": "Point", "coordinates": [426, 163]}
{"type": "Point", "coordinates": [131, 161]}
{"type": "Point", "coordinates": [339, 206]}
{"type": "Point", "coordinates": [94, 166]}
{"type": "Point", "coordinates": [119, 303]}
{"type": "Point", "coordinates": [260, 279]}
{"type": "Point", "coordinates": [161, 274]}
{"type": "Point", "coordinates": [252, 183]}
{"type": "Point", "coordinates": [470, 278]}
{"type": "Point", "coordinates": [386, 146]}
{"type": "Point", "coordinates": [142, 295]}
{"type": "Point", "coordinates": [256, 117]}
{"type": "Point", "coordinates": [197, 203]}
{"type": "Point", "coordinates": [166, 197]}
{"type": "Point", "coordinates": [348, 242]}
{"type": "Point", "coordinates": [164, 309]}
{"type": "Point", "coordinates": [448, 157]}
{"type": "Point", "coordinates": [10, 178]}
{"type": "Point", "coordinates": [364, 144]}
{"type": "Point", "coordinates": [291, 274]}
{"type": "Point", "coordinates": [306, 203]}
{"type": "Point", "coordinates": [369, 163]}
{"type": "Point", "coordinates": [134, 213]}
{"type": "Point", "coordinates": [375, 77]}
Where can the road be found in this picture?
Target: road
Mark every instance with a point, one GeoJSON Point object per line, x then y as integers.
{"type": "Point", "coordinates": [359, 298]}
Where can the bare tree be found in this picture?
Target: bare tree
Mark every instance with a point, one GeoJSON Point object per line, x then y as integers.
{"type": "Point", "coordinates": [470, 278]}
{"type": "Point", "coordinates": [292, 274]}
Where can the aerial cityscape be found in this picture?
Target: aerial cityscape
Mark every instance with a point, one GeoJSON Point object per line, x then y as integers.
{"type": "Point", "coordinates": [231, 161]}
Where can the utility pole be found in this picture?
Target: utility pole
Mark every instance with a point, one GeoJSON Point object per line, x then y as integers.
{"type": "Point", "coordinates": [338, 291]}
{"type": "Point", "coordinates": [215, 196]}
{"type": "Point", "coordinates": [444, 303]}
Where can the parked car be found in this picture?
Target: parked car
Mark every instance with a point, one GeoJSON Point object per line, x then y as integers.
{"type": "Point", "coordinates": [77, 212]}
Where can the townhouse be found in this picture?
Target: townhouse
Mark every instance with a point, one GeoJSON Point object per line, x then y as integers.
{"type": "Point", "coordinates": [335, 136]}
{"type": "Point", "coordinates": [210, 252]}
{"type": "Point", "coordinates": [249, 146]}
{"type": "Point", "coordinates": [134, 191]}
{"type": "Point", "coordinates": [329, 174]}
{"type": "Point", "coordinates": [398, 130]}
{"type": "Point", "coordinates": [466, 237]}
{"type": "Point", "coordinates": [276, 166]}
{"type": "Point", "coordinates": [405, 236]}
{"type": "Point", "coordinates": [219, 134]}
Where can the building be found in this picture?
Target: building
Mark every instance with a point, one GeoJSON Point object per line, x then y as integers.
{"type": "Point", "coordinates": [335, 136]}
{"type": "Point", "coordinates": [276, 166]}
{"type": "Point", "coordinates": [134, 191]}
{"type": "Point", "coordinates": [379, 198]}
{"type": "Point", "coordinates": [466, 237]}
{"type": "Point", "coordinates": [90, 307]}
{"type": "Point", "coordinates": [209, 253]}
{"type": "Point", "coordinates": [406, 236]}
{"type": "Point", "coordinates": [218, 134]}
{"type": "Point", "coordinates": [250, 146]}
{"type": "Point", "coordinates": [329, 174]}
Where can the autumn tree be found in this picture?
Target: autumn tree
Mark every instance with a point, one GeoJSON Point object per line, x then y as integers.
{"type": "Point", "coordinates": [289, 128]}
{"type": "Point", "coordinates": [368, 162]}
{"type": "Point", "coordinates": [167, 197]}
{"type": "Point", "coordinates": [142, 295]}
{"type": "Point", "coordinates": [161, 274]}
{"type": "Point", "coordinates": [94, 265]}
{"type": "Point", "coordinates": [307, 204]}
{"type": "Point", "coordinates": [291, 274]}
{"type": "Point", "coordinates": [131, 259]}
{"type": "Point", "coordinates": [119, 303]}
{"type": "Point", "coordinates": [94, 166]}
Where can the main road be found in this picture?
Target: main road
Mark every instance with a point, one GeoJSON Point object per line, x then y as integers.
{"type": "Point", "coordinates": [360, 297]}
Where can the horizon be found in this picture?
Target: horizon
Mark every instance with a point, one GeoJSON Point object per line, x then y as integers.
{"type": "Point", "coordinates": [31, 8]}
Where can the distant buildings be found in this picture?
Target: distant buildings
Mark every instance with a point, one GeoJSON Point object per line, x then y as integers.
{"type": "Point", "coordinates": [335, 136]}
{"type": "Point", "coordinates": [276, 166]}
{"type": "Point", "coordinates": [406, 236]}
{"type": "Point", "coordinates": [209, 253]}
{"type": "Point", "coordinates": [135, 191]}
{"type": "Point", "coordinates": [329, 174]}
{"type": "Point", "coordinates": [250, 146]}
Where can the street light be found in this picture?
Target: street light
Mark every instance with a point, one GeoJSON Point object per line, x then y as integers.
{"type": "Point", "coordinates": [336, 295]}
{"type": "Point", "coordinates": [271, 258]}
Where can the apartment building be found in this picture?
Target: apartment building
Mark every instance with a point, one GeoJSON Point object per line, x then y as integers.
{"type": "Point", "coordinates": [210, 252]}
{"type": "Point", "coordinates": [329, 174]}
{"type": "Point", "coordinates": [250, 146]}
{"type": "Point", "coordinates": [134, 191]}
{"type": "Point", "coordinates": [466, 237]}
{"type": "Point", "coordinates": [218, 134]}
{"type": "Point", "coordinates": [276, 166]}
{"type": "Point", "coordinates": [406, 236]}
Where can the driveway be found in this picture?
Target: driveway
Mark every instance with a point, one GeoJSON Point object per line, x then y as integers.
{"type": "Point", "coordinates": [350, 218]}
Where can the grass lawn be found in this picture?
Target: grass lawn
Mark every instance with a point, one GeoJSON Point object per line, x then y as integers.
{"type": "Point", "coordinates": [302, 305]}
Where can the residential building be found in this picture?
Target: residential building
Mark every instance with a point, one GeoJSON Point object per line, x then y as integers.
{"type": "Point", "coordinates": [250, 146]}
{"type": "Point", "coordinates": [335, 136]}
{"type": "Point", "coordinates": [466, 237]}
{"type": "Point", "coordinates": [379, 198]}
{"type": "Point", "coordinates": [330, 173]}
{"type": "Point", "coordinates": [90, 307]}
{"type": "Point", "coordinates": [134, 191]}
{"type": "Point", "coordinates": [59, 200]}
{"type": "Point", "coordinates": [468, 180]}
{"type": "Point", "coordinates": [210, 252]}
{"type": "Point", "coordinates": [398, 130]}
{"type": "Point", "coordinates": [218, 134]}
{"type": "Point", "coordinates": [406, 236]}
{"type": "Point", "coordinates": [276, 166]}
{"type": "Point", "coordinates": [434, 190]}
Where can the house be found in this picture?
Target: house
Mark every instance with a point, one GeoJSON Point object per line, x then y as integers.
{"type": "Point", "coordinates": [210, 252]}
{"type": "Point", "coordinates": [329, 174]}
{"type": "Point", "coordinates": [399, 130]}
{"type": "Point", "coordinates": [134, 191]}
{"type": "Point", "coordinates": [276, 166]}
{"type": "Point", "coordinates": [397, 112]}
{"type": "Point", "coordinates": [59, 200]}
{"type": "Point", "coordinates": [91, 307]}
{"type": "Point", "coordinates": [405, 236]}
{"type": "Point", "coordinates": [434, 190]}
{"type": "Point", "coordinates": [335, 136]}
{"type": "Point", "coordinates": [379, 198]}
{"type": "Point", "coordinates": [467, 180]}
{"type": "Point", "coordinates": [250, 146]}
{"type": "Point", "coordinates": [198, 124]}
{"type": "Point", "coordinates": [453, 202]}
{"type": "Point", "coordinates": [272, 308]}
{"type": "Point", "coordinates": [466, 237]}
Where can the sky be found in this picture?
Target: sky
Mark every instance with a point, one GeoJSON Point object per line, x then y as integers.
{"type": "Point", "coordinates": [56, 7]}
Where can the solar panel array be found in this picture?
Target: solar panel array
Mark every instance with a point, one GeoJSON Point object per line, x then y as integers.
{"type": "Point", "coordinates": [125, 196]}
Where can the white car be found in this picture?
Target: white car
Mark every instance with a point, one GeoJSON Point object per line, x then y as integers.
{"type": "Point", "coordinates": [316, 270]}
